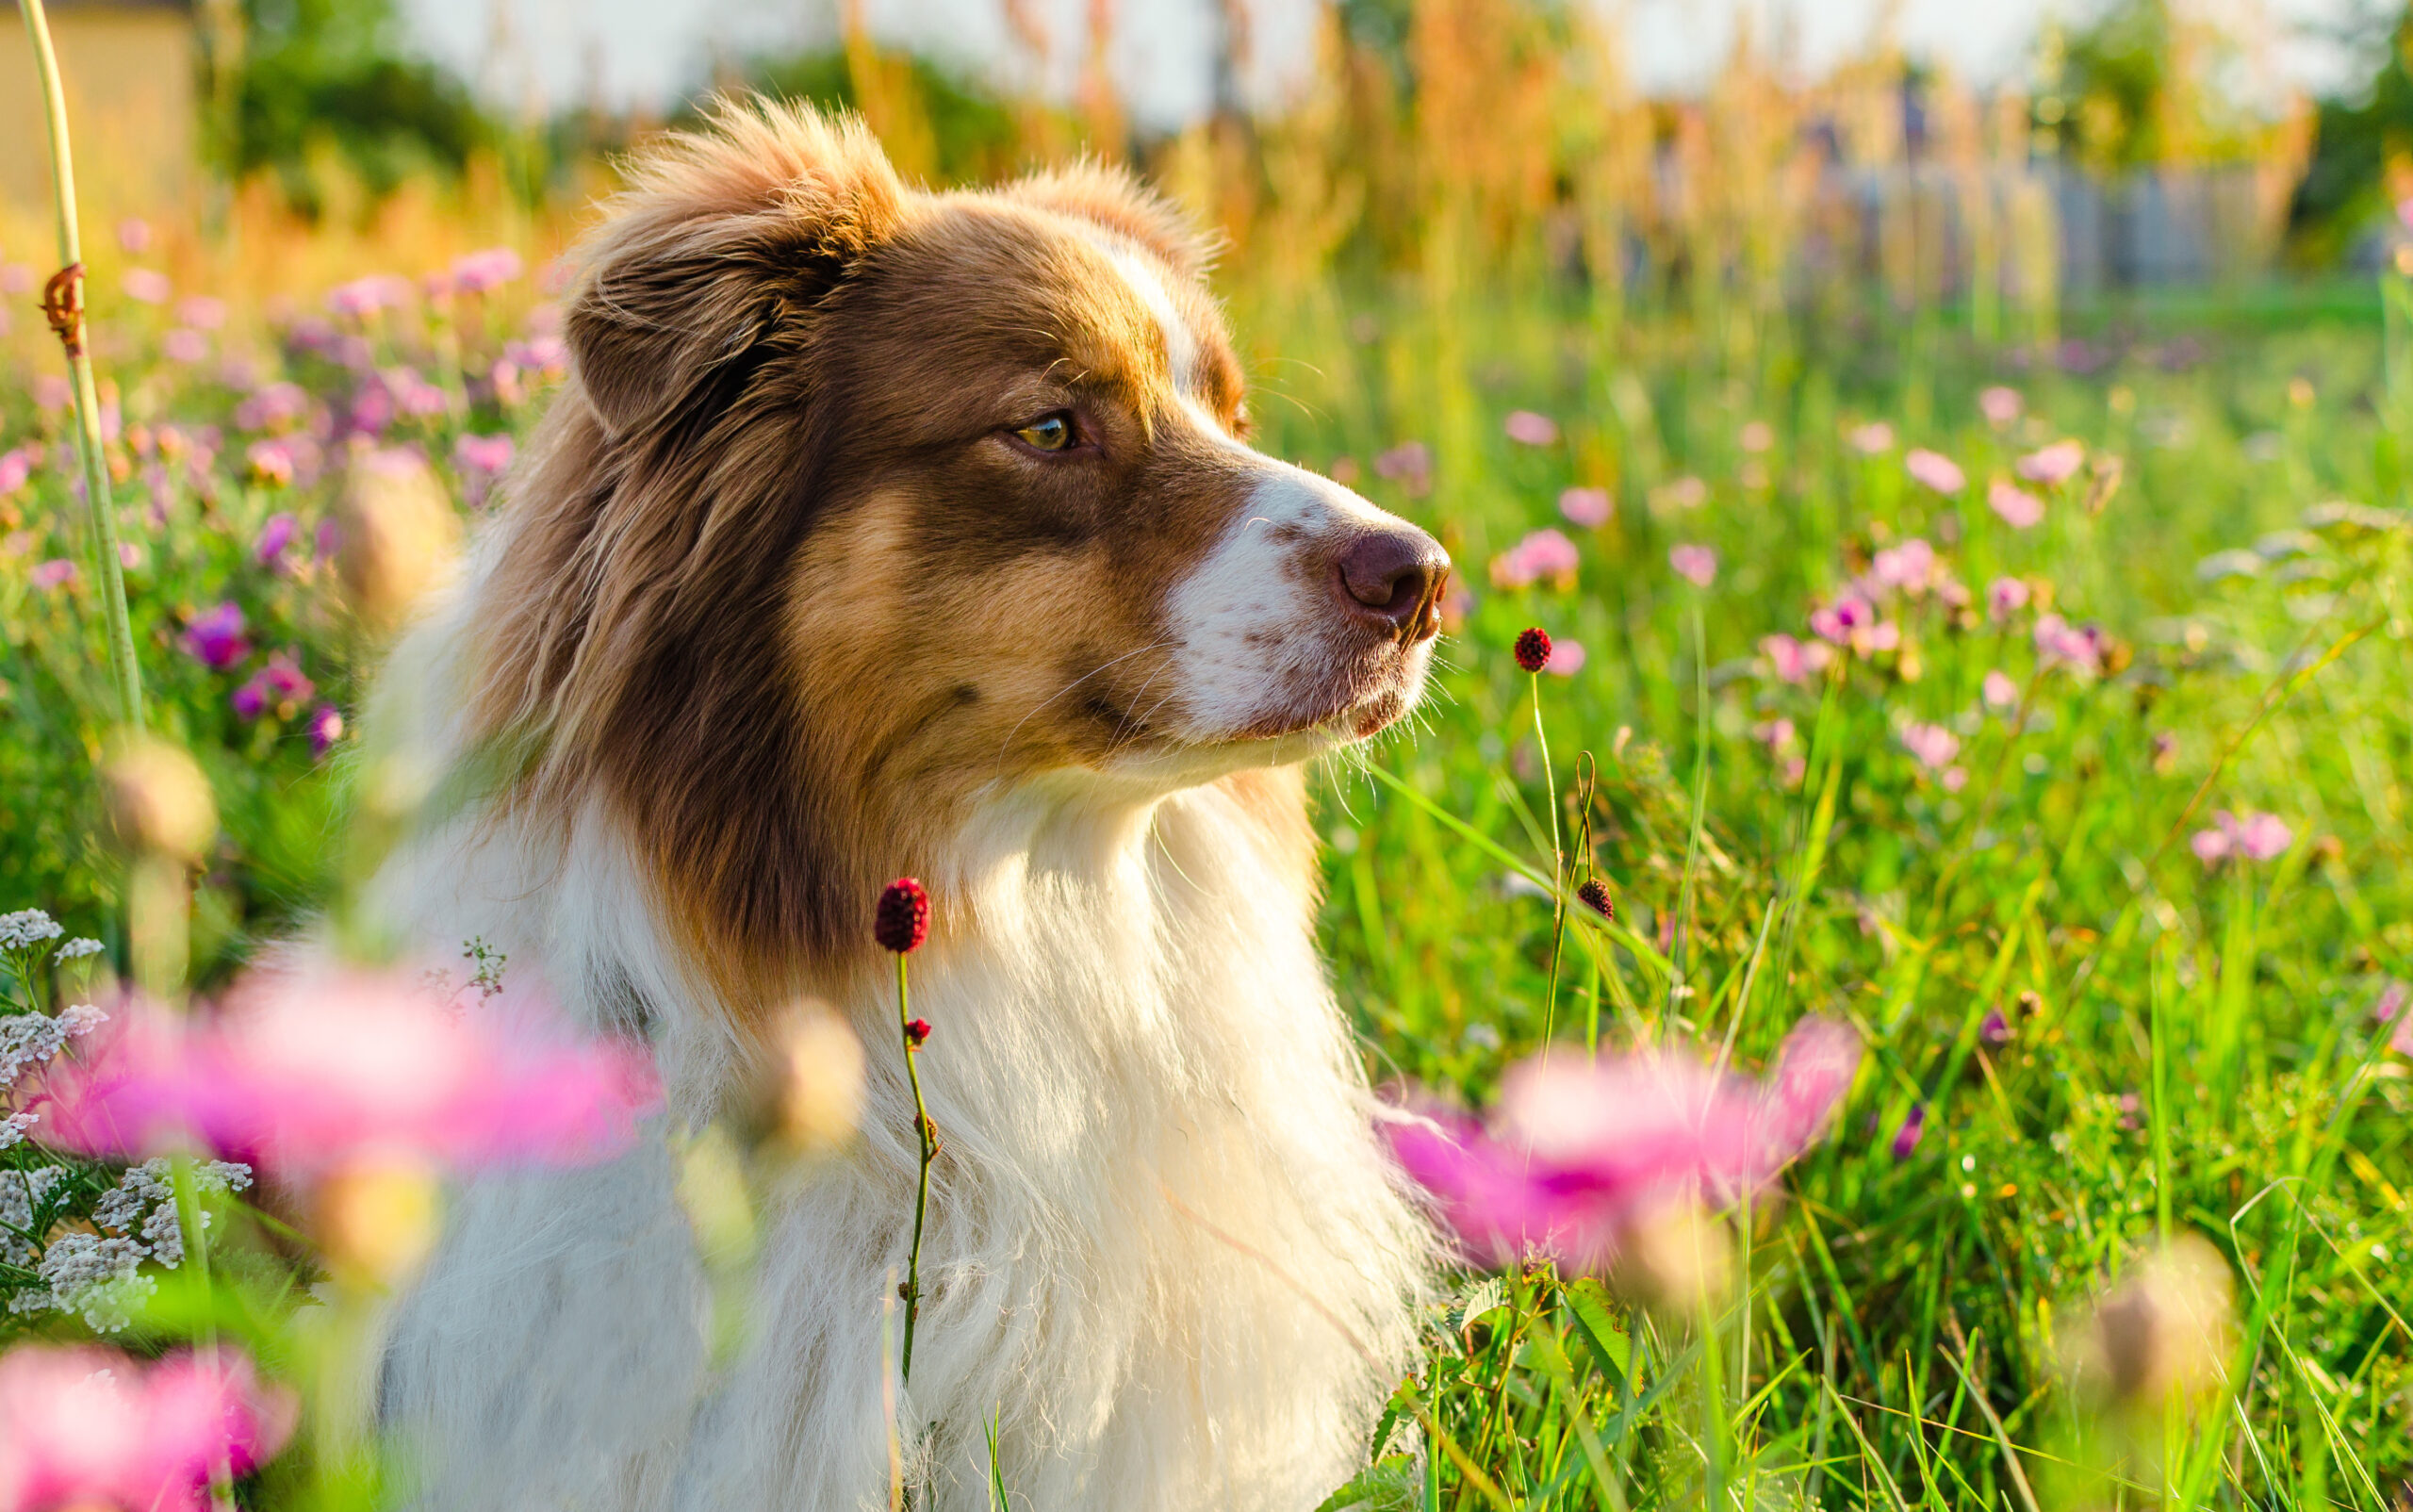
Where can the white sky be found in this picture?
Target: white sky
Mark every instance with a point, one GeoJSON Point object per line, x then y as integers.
{"type": "Point", "coordinates": [652, 51]}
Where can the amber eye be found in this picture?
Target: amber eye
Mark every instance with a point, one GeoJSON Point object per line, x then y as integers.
{"type": "Point", "coordinates": [1049, 433]}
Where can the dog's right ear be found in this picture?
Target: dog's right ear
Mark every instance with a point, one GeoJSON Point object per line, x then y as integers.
{"type": "Point", "coordinates": [717, 254]}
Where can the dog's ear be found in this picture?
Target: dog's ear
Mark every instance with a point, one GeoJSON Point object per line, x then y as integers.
{"type": "Point", "coordinates": [723, 238]}
{"type": "Point", "coordinates": [1113, 198]}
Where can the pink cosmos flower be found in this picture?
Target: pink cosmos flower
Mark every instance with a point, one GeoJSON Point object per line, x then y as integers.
{"type": "Point", "coordinates": [326, 728]}
{"type": "Point", "coordinates": [2005, 597]}
{"type": "Point", "coordinates": [93, 1427]}
{"type": "Point", "coordinates": [1999, 406]}
{"type": "Point", "coordinates": [2019, 509]}
{"type": "Point", "coordinates": [1545, 553]}
{"type": "Point", "coordinates": [304, 1073]}
{"type": "Point", "coordinates": [1588, 507]}
{"type": "Point", "coordinates": [59, 572]}
{"type": "Point", "coordinates": [481, 271]}
{"type": "Point", "coordinates": [1875, 438]}
{"type": "Point", "coordinates": [1526, 428]}
{"type": "Point", "coordinates": [1795, 661]}
{"type": "Point", "coordinates": [1998, 690]}
{"type": "Point", "coordinates": [1696, 564]}
{"type": "Point", "coordinates": [216, 639]}
{"type": "Point", "coordinates": [2255, 837]}
{"type": "Point", "coordinates": [1935, 470]}
{"type": "Point", "coordinates": [1566, 658]}
{"type": "Point", "coordinates": [1932, 744]}
{"type": "Point", "coordinates": [2054, 465]}
{"type": "Point", "coordinates": [1581, 1151]}
{"type": "Point", "coordinates": [147, 285]}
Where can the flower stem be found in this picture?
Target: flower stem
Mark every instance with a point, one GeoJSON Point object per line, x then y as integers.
{"type": "Point", "coordinates": [64, 302]}
{"type": "Point", "coordinates": [1557, 871]}
{"type": "Point", "coordinates": [922, 1188]}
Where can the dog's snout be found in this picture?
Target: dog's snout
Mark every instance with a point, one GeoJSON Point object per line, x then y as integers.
{"type": "Point", "coordinates": [1395, 576]}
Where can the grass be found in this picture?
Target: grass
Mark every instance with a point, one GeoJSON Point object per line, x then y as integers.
{"type": "Point", "coordinates": [2191, 1049]}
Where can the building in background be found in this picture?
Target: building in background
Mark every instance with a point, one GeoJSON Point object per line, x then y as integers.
{"type": "Point", "coordinates": [131, 68]}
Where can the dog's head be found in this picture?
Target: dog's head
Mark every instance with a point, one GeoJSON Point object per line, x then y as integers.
{"type": "Point", "coordinates": [864, 502]}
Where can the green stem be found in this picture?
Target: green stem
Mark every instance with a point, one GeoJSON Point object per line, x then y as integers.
{"type": "Point", "coordinates": [922, 1190]}
{"type": "Point", "coordinates": [1557, 871]}
{"type": "Point", "coordinates": [123, 670]}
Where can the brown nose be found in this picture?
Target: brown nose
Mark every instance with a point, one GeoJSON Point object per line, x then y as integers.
{"type": "Point", "coordinates": [1394, 577]}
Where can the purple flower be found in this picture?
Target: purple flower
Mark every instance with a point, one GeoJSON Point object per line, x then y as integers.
{"type": "Point", "coordinates": [275, 536]}
{"type": "Point", "coordinates": [273, 408]}
{"type": "Point", "coordinates": [1696, 564]}
{"type": "Point", "coordinates": [2019, 509]}
{"type": "Point", "coordinates": [1995, 1029]}
{"type": "Point", "coordinates": [1935, 470]}
{"type": "Point", "coordinates": [56, 573]}
{"type": "Point", "coordinates": [1906, 1138]}
{"type": "Point", "coordinates": [1588, 507]}
{"type": "Point", "coordinates": [2054, 465]}
{"type": "Point", "coordinates": [1795, 661]}
{"type": "Point", "coordinates": [1526, 428]}
{"type": "Point", "coordinates": [2005, 597]}
{"type": "Point", "coordinates": [1838, 621]}
{"type": "Point", "coordinates": [481, 271]}
{"type": "Point", "coordinates": [1999, 406]}
{"type": "Point", "coordinates": [278, 684]}
{"type": "Point", "coordinates": [1545, 553]}
{"type": "Point", "coordinates": [326, 728]}
{"type": "Point", "coordinates": [216, 639]}
{"type": "Point", "coordinates": [249, 701]}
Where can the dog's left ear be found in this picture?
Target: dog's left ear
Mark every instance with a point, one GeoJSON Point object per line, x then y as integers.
{"type": "Point", "coordinates": [724, 236]}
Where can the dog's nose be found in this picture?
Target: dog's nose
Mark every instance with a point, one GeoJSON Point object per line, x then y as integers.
{"type": "Point", "coordinates": [1394, 577]}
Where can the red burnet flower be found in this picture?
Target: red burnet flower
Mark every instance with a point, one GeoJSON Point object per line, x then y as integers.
{"type": "Point", "coordinates": [916, 1030]}
{"type": "Point", "coordinates": [903, 920]}
{"type": "Point", "coordinates": [1593, 894]}
{"type": "Point", "coordinates": [1533, 648]}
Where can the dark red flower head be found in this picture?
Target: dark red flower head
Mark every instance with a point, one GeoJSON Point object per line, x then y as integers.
{"type": "Point", "coordinates": [1593, 894]}
{"type": "Point", "coordinates": [916, 1031]}
{"type": "Point", "coordinates": [1533, 648]}
{"type": "Point", "coordinates": [903, 920]}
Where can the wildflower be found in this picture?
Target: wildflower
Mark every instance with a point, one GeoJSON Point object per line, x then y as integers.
{"type": "Point", "coordinates": [314, 1070]}
{"type": "Point", "coordinates": [2167, 1332]}
{"type": "Point", "coordinates": [51, 393]}
{"type": "Point", "coordinates": [16, 468]}
{"type": "Point", "coordinates": [1696, 564]}
{"type": "Point", "coordinates": [1588, 507]}
{"type": "Point", "coordinates": [279, 685]}
{"type": "Point", "coordinates": [1533, 648]}
{"type": "Point", "coordinates": [157, 801]}
{"type": "Point", "coordinates": [16, 278]}
{"type": "Point", "coordinates": [27, 927]}
{"type": "Point", "coordinates": [2019, 509]}
{"type": "Point", "coordinates": [483, 454]}
{"type": "Point", "coordinates": [1566, 658]}
{"type": "Point", "coordinates": [326, 728]}
{"type": "Point", "coordinates": [1998, 690]}
{"type": "Point", "coordinates": [270, 462]}
{"type": "Point", "coordinates": [547, 357]}
{"type": "Point", "coordinates": [2256, 836]}
{"type": "Point", "coordinates": [1409, 464]}
{"type": "Point", "coordinates": [59, 572]}
{"type": "Point", "coordinates": [216, 638]}
{"type": "Point", "coordinates": [1687, 492]}
{"type": "Point", "coordinates": [1526, 428]}
{"type": "Point", "coordinates": [1795, 661]}
{"type": "Point", "coordinates": [1906, 1138]}
{"type": "Point", "coordinates": [1581, 1155]}
{"type": "Point", "coordinates": [902, 921]}
{"type": "Point", "coordinates": [202, 312]}
{"type": "Point", "coordinates": [2054, 465]}
{"type": "Point", "coordinates": [76, 949]}
{"type": "Point", "coordinates": [1757, 437]}
{"type": "Point", "coordinates": [396, 532]}
{"type": "Point", "coordinates": [1908, 568]}
{"type": "Point", "coordinates": [1932, 744]}
{"type": "Point", "coordinates": [1995, 1029]}
{"type": "Point", "coordinates": [1544, 553]}
{"type": "Point", "coordinates": [274, 407]}
{"type": "Point", "coordinates": [185, 345]}
{"type": "Point", "coordinates": [276, 535]}
{"type": "Point", "coordinates": [2058, 643]}
{"type": "Point", "coordinates": [917, 1031]}
{"type": "Point", "coordinates": [1776, 735]}
{"type": "Point", "coordinates": [1935, 470]}
{"type": "Point", "coordinates": [2005, 597]}
{"type": "Point", "coordinates": [1840, 621]}
{"type": "Point", "coordinates": [363, 297]}
{"type": "Point", "coordinates": [1875, 438]}
{"type": "Point", "coordinates": [134, 235]}
{"type": "Point", "coordinates": [481, 271]}
{"type": "Point", "coordinates": [1593, 894]}
{"type": "Point", "coordinates": [90, 1427]}
{"type": "Point", "coordinates": [146, 285]}
{"type": "Point", "coordinates": [1999, 406]}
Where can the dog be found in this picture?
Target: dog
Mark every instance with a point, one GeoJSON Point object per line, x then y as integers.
{"type": "Point", "coordinates": [880, 532]}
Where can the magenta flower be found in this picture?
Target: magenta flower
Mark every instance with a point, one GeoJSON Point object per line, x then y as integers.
{"type": "Point", "coordinates": [274, 407]}
{"type": "Point", "coordinates": [1906, 1138]}
{"type": "Point", "coordinates": [1588, 507]}
{"type": "Point", "coordinates": [1696, 564]}
{"type": "Point", "coordinates": [275, 537]}
{"type": "Point", "coordinates": [59, 572]}
{"type": "Point", "coordinates": [1526, 428]}
{"type": "Point", "coordinates": [1873, 439]}
{"type": "Point", "coordinates": [2019, 509]}
{"type": "Point", "coordinates": [1566, 658]}
{"type": "Point", "coordinates": [326, 728]}
{"type": "Point", "coordinates": [363, 297]}
{"type": "Point", "coordinates": [91, 1427]}
{"type": "Point", "coordinates": [2005, 597]}
{"type": "Point", "coordinates": [147, 285]}
{"type": "Point", "coordinates": [1996, 1028]}
{"type": "Point", "coordinates": [1998, 690]}
{"type": "Point", "coordinates": [1580, 1151]}
{"type": "Point", "coordinates": [2255, 837]}
{"type": "Point", "coordinates": [1795, 661]}
{"type": "Point", "coordinates": [1999, 406]}
{"type": "Point", "coordinates": [307, 1071]}
{"type": "Point", "coordinates": [483, 454]}
{"type": "Point", "coordinates": [1932, 744]}
{"type": "Point", "coordinates": [16, 467]}
{"type": "Point", "coordinates": [1935, 470]}
{"type": "Point", "coordinates": [483, 271]}
{"type": "Point", "coordinates": [547, 356]}
{"type": "Point", "coordinates": [1545, 553]}
{"type": "Point", "coordinates": [2058, 643]}
{"type": "Point", "coordinates": [2054, 465]}
{"type": "Point", "coordinates": [1839, 621]}
{"type": "Point", "coordinates": [279, 682]}
{"type": "Point", "coordinates": [216, 639]}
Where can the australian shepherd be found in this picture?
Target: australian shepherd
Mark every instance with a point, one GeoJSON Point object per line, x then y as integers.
{"type": "Point", "coordinates": [880, 532]}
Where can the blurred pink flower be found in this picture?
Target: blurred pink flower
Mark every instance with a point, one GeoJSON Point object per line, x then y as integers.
{"type": "Point", "coordinates": [1998, 690]}
{"type": "Point", "coordinates": [274, 407]}
{"type": "Point", "coordinates": [16, 278]}
{"type": "Point", "coordinates": [2254, 836]}
{"type": "Point", "coordinates": [1932, 744]}
{"type": "Point", "coordinates": [55, 573]}
{"type": "Point", "coordinates": [1408, 463]}
{"type": "Point", "coordinates": [1837, 622]}
{"type": "Point", "coordinates": [202, 312]}
{"type": "Point", "coordinates": [147, 285]}
{"type": "Point", "coordinates": [134, 235]}
{"type": "Point", "coordinates": [1908, 568]}
{"type": "Point", "coordinates": [281, 681]}
{"type": "Point", "coordinates": [305, 1072]}
{"type": "Point", "coordinates": [95, 1428]}
{"type": "Point", "coordinates": [1999, 406]}
{"type": "Point", "coordinates": [480, 271]}
{"type": "Point", "coordinates": [363, 297]}
{"type": "Point", "coordinates": [483, 454]}
{"type": "Point", "coordinates": [1566, 658]}
{"type": "Point", "coordinates": [270, 462]}
{"type": "Point", "coordinates": [1526, 428]}
{"type": "Point", "coordinates": [216, 638]}
{"type": "Point", "coordinates": [1696, 564]}
{"type": "Point", "coordinates": [2054, 465]}
{"type": "Point", "coordinates": [545, 356]}
{"type": "Point", "coordinates": [1758, 436]}
{"type": "Point", "coordinates": [2005, 597]}
{"type": "Point", "coordinates": [276, 535]}
{"type": "Point", "coordinates": [51, 393]}
{"type": "Point", "coordinates": [1588, 507]}
{"type": "Point", "coordinates": [1872, 439]}
{"type": "Point", "coordinates": [326, 728]}
{"type": "Point", "coordinates": [2019, 509]}
{"type": "Point", "coordinates": [1935, 470]}
{"type": "Point", "coordinates": [1795, 661]}
{"type": "Point", "coordinates": [1775, 734]}
{"type": "Point", "coordinates": [15, 467]}
{"type": "Point", "coordinates": [2058, 643]}
{"type": "Point", "coordinates": [185, 345]}
{"type": "Point", "coordinates": [1580, 1150]}
{"type": "Point", "coordinates": [1545, 553]}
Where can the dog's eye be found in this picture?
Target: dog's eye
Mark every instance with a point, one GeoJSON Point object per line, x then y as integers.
{"type": "Point", "coordinates": [1049, 433]}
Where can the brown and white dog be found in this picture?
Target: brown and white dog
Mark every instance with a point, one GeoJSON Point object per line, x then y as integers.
{"type": "Point", "coordinates": [880, 532]}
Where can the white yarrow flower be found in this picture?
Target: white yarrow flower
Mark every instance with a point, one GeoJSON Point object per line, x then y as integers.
{"type": "Point", "coordinates": [27, 927]}
{"type": "Point", "coordinates": [79, 948]}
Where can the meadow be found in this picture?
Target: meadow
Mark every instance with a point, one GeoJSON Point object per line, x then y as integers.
{"type": "Point", "coordinates": [2021, 686]}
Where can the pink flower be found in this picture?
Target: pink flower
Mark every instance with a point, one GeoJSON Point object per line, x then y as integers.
{"type": "Point", "coordinates": [1776, 735]}
{"type": "Point", "coordinates": [483, 454]}
{"type": "Point", "coordinates": [2005, 597]}
{"type": "Point", "coordinates": [1795, 661]}
{"type": "Point", "coordinates": [547, 356]}
{"type": "Point", "coordinates": [1588, 507]}
{"type": "Point", "coordinates": [276, 535]}
{"type": "Point", "coordinates": [15, 468]}
{"type": "Point", "coordinates": [91, 1427]}
{"type": "Point", "coordinates": [16, 278]}
{"type": "Point", "coordinates": [2054, 465]}
{"type": "Point", "coordinates": [1545, 553]}
{"type": "Point", "coordinates": [51, 393]}
{"type": "Point", "coordinates": [1696, 564]}
{"type": "Point", "coordinates": [1934, 746]}
{"type": "Point", "coordinates": [216, 639]}
{"type": "Point", "coordinates": [147, 285]}
{"type": "Point", "coordinates": [1998, 691]}
{"type": "Point", "coordinates": [365, 297]}
{"type": "Point", "coordinates": [59, 572]}
{"type": "Point", "coordinates": [481, 271]}
{"type": "Point", "coordinates": [326, 728]}
{"type": "Point", "coordinates": [2019, 509]}
{"type": "Point", "coordinates": [202, 312]}
{"type": "Point", "coordinates": [1408, 463]}
{"type": "Point", "coordinates": [1837, 622]}
{"type": "Point", "coordinates": [1999, 406]}
{"type": "Point", "coordinates": [185, 345]}
{"type": "Point", "coordinates": [271, 462]}
{"type": "Point", "coordinates": [1758, 436]}
{"type": "Point", "coordinates": [281, 681]}
{"type": "Point", "coordinates": [1875, 438]}
{"type": "Point", "coordinates": [2255, 837]}
{"type": "Point", "coordinates": [1566, 658]}
{"type": "Point", "coordinates": [1909, 567]}
{"type": "Point", "coordinates": [134, 235]}
{"type": "Point", "coordinates": [306, 1072]}
{"type": "Point", "coordinates": [1581, 1150]}
{"type": "Point", "coordinates": [2058, 643]}
{"type": "Point", "coordinates": [1526, 428]}
{"type": "Point", "coordinates": [1935, 470]}
{"type": "Point", "coordinates": [273, 408]}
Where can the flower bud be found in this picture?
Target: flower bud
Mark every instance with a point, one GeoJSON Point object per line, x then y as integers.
{"type": "Point", "coordinates": [157, 801]}
{"type": "Point", "coordinates": [396, 532]}
{"type": "Point", "coordinates": [1533, 648]}
{"type": "Point", "coordinates": [903, 920]}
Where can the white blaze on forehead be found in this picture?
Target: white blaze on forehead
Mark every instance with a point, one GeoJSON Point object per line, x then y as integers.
{"type": "Point", "coordinates": [1146, 280]}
